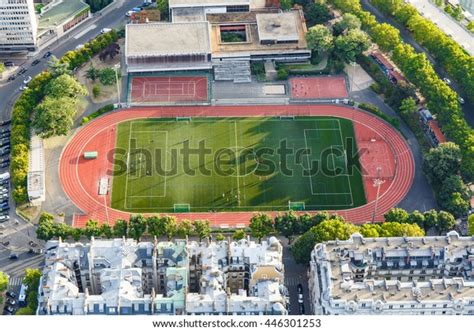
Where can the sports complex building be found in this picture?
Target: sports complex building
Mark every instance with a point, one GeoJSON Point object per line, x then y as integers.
{"type": "Point", "coordinates": [175, 61]}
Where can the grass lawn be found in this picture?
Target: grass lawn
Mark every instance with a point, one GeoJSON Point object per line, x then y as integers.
{"type": "Point", "coordinates": [243, 164]}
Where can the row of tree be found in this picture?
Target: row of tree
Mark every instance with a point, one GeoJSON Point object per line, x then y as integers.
{"type": "Point", "coordinates": [333, 229]}
{"type": "Point", "coordinates": [32, 280]}
{"type": "Point", "coordinates": [45, 113]}
{"type": "Point", "coordinates": [441, 221]}
{"type": "Point", "coordinates": [442, 100]}
{"type": "Point", "coordinates": [136, 227]}
{"type": "Point", "coordinates": [445, 50]}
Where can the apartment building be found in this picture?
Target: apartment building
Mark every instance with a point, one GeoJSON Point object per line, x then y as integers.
{"type": "Point", "coordinates": [413, 276]}
{"type": "Point", "coordinates": [123, 277]}
{"type": "Point", "coordinates": [18, 26]}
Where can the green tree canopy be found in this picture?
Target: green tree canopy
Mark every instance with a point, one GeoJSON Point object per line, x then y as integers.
{"type": "Point", "coordinates": [441, 162]}
{"type": "Point", "coordinates": [3, 281]}
{"type": "Point", "coordinates": [470, 225]}
{"type": "Point", "coordinates": [261, 225]}
{"type": "Point", "coordinates": [185, 228]}
{"type": "Point", "coordinates": [396, 215]}
{"type": "Point", "coordinates": [238, 235]}
{"type": "Point", "coordinates": [348, 47]}
{"type": "Point", "coordinates": [386, 36]}
{"type": "Point", "coordinates": [136, 226]}
{"type": "Point", "coordinates": [65, 86]}
{"type": "Point", "coordinates": [445, 223]}
{"type": "Point", "coordinates": [55, 116]}
{"type": "Point", "coordinates": [202, 229]}
{"type": "Point", "coordinates": [319, 39]}
{"type": "Point", "coordinates": [287, 224]}
{"type": "Point", "coordinates": [120, 228]}
{"type": "Point", "coordinates": [316, 13]}
{"type": "Point", "coordinates": [57, 68]}
{"type": "Point", "coordinates": [349, 22]}
{"type": "Point", "coordinates": [92, 229]}
{"type": "Point", "coordinates": [45, 230]}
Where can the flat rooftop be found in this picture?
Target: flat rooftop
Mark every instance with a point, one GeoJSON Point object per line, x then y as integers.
{"type": "Point", "coordinates": [161, 39]}
{"type": "Point", "coordinates": [278, 26]}
{"type": "Point", "coordinates": [206, 3]}
{"type": "Point", "coordinates": [253, 45]}
{"type": "Point", "coordinates": [61, 13]}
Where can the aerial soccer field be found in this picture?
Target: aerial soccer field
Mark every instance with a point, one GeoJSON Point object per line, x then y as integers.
{"type": "Point", "coordinates": [236, 164]}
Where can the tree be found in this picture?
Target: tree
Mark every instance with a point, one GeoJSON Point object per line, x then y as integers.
{"type": "Point", "coordinates": [319, 39]}
{"type": "Point", "coordinates": [302, 247]}
{"type": "Point", "coordinates": [417, 218]}
{"type": "Point", "coordinates": [333, 229]}
{"type": "Point", "coordinates": [2, 68]}
{"type": "Point", "coordinates": [286, 4]}
{"type": "Point", "coordinates": [348, 47]}
{"type": "Point", "coordinates": [25, 311]}
{"type": "Point", "coordinates": [92, 73]}
{"type": "Point", "coordinates": [55, 116]}
{"type": "Point", "coordinates": [169, 226]}
{"type": "Point", "coordinates": [316, 13]}
{"type": "Point", "coordinates": [454, 196]}
{"type": "Point", "coordinates": [107, 76]}
{"type": "Point", "coordinates": [287, 225]}
{"type": "Point", "coordinates": [120, 228]}
{"type": "Point", "coordinates": [431, 219]}
{"type": "Point", "coordinates": [106, 231]}
{"type": "Point", "coordinates": [282, 73]}
{"type": "Point", "coordinates": [3, 281]}
{"type": "Point", "coordinates": [92, 229]}
{"type": "Point", "coordinates": [185, 228]}
{"type": "Point", "coordinates": [441, 162]}
{"type": "Point", "coordinates": [153, 226]}
{"type": "Point", "coordinates": [349, 21]}
{"type": "Point", "coordinates": [76, 234]}
{"type": "Point", "coordinates": [238, 235]}
{"type": "Point", "coordinates": [57, 68]}
{"type": "Point", "coordinates": [388, 6]}
{"type": "Point", "coordinates": [32, 279]}
{"type": "Point", "coordinates": [136, 226]}
{"type": "Point", "coordinates": [386, 36]}
{"type": "Point", "coordinates": [407, 106]}
{"type": "Point", "coordinates": [370, 230]}
{"type": "Point", "coordinates": [65, 86]}
{"type": "Point", "coordinates": [202, 229]}
{"type": "Point", "coordinates": [45, 230]}
{"type": "Point", "coordinates": [220, 237]}
{"type": "Point", "coordinates": [395, 229]}
{"type": "Point", "coordinates": [396, 215]}
{"type": "Point", "coordinates": [261, 225]}
{"type": "Point", "coordinates": [445, 223]}
{"type": "Point", "coordinates": [470, 225]}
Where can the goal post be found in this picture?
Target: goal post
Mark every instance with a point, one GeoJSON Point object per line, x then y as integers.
{"type": "Point", "coordinates": [183, 119]}
{"type": "Point", "coordinates": [287, 117]}
{"type": "Point", "coordinates": [181, 207]}
{"type": "Point", "coordinates": [296, 205]}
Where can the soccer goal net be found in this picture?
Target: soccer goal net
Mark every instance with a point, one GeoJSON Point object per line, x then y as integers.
{"type": "Point", "coordinates": [296, 205]}
{"type": "Point", "coordinates": [181, 208]}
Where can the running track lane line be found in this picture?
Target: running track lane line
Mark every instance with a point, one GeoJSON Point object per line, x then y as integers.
{"type": "Point", "coordinates": [90, 206]}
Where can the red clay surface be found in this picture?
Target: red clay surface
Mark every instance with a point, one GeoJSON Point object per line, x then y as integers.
{"type": "Point", "coordinates": [318, 87]}
{"type": "Point", "coordinates": [80, 178]}
{"type": "Point", "coordinates": [168, 89]}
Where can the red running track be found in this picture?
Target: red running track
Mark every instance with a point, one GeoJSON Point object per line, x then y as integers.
{"type": "Point", "coordinates": [95, 135]}
{"type": "Point", "coordinates": [318, 87]}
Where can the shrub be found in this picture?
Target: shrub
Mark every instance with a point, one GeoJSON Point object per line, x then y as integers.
{"type": "Point", "coordinates": [374, 110]}
{"type": "Point", "coordinates": [107, 76]}
{"type": "Point", "coordinates": [282, 74]}
{"type": "Point", "coordinates": [97, 113]}
{"type": "Point", "coordinates": [96, 91]}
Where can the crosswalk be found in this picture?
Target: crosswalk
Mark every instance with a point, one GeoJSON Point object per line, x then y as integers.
{"type": "Point", "coordinates": [15, 281]}
{"type": "Point", "coordinates": [292, 281]}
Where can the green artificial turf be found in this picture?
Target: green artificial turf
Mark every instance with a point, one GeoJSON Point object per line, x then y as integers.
{"type": "Point", "coordinates": [249, 177]}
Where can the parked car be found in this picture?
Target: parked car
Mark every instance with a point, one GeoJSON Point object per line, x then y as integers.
{"type": "Point", "coordinates": [105, 30]}
{"type": "Point", "coordinates": [10, 310]}
{"type": "Point", "coordinates": [35, 62]}
{"type": "Point", "coordinates": [6, 122]}
{"type": "Point", "coordinates": [47, 54]}
{"type": "Point", "coordinates": [27, 80]}
{"type": "Point", "coordinates": [11, 294]}
{"type": "Point", "coordinates": [447, 80]}
{"type": "Point", "coordinates": [4, 164]}
{"type": "Point", "coordinates": [9, 63]}
{"type": "Point", "coordinates": [22, 71]}
{"type": "Point", "coordinates": [461, 101]}
{"type": "Point", "coordinates": [13, 256]}
{"type": "Point", "coordinates": [11, 78]}
{"type": "Point", "coordinates": [23, 88]}
{"type": "Point", "coordinates": [5, 134]}
{"type": "Point", "coordinates": [4, 218]}
{"type": "Point", "coordinates": [4, 209]}
{"type": "Point", "coordinates": [79, 46]}
{"type": "Point", "coordinates": [299, 289]}
{"type": "Point", "coordinates": [11, 301]}
{"type": "Point", "coordinates": [4, 151]}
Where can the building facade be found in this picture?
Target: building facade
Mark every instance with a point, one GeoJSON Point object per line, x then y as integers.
{"type": "Point", "coordinates": [18, 26]}
{"type": "Point", "coordinates": [123, 277]}
{"type": "Point", "coordinates": [413, 276]}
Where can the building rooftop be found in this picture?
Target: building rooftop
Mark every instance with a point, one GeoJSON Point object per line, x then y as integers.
{"type": "Point", "coordinates": [188, 15]}
{"type": "Point", "coordinates": [207, 3]}
{"type": "Point", "coordinates": [60, 12]}
{"type": "Point", "coordinates": [36, 182]}
{"type": "Point", "coordinates": [161, 39]}
{"type": "Point", "coordinates": [278, 27]}
{"type": "Point", "coordinates": [388, 264]}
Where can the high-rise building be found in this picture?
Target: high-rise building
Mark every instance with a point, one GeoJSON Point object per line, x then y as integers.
{"type": "Point", "coordinates": [415, 276]}
{"type": "Point", "coordinates": [18, 26]}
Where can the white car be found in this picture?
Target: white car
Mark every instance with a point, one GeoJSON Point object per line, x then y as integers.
{"type": "Point", "coordinates": [105, 30]}
{"type": "Point", "coordinates": [447, 80]}
{"type": "Point", "coordinates": [461, 100]}
{"type": "Point", "coordinates": [24, 87]}
{"type": "Point", "coordinates": [79, 46]}
{"type": "Point", "coordinates": [27, 80]}
{"type": "Point", "coordinates": [4, 218]}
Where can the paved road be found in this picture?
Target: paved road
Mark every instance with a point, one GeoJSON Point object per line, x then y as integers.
{"type": "Point", "coordinates": [468, 108]}
{"type": "Point", "coordinates": [295, 274]}
{"type": "Point", "coordinates": [446, 23]}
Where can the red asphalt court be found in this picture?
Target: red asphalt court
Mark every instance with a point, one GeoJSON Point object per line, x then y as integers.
{"type": "Point", "coordinates": [318, 87]}
{"type": "Point", "coordinates": [386, 148]}
{"type": "Point", "coordinates": [169, 89]}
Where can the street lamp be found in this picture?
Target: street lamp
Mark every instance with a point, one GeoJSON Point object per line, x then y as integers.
{"type": "Point", "coordinates": [377, 183]}
{"type": "Point", "coordinates": [117, 67]}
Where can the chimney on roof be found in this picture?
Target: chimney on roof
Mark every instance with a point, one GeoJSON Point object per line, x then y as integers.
{"type": "Point", "coordinates": [276, 23]}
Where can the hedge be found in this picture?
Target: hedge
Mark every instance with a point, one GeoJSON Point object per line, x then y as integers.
{"type": "Point", "coordinates": [97, 113]}
{"type": "Point", "coordinates": [376, 111]}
